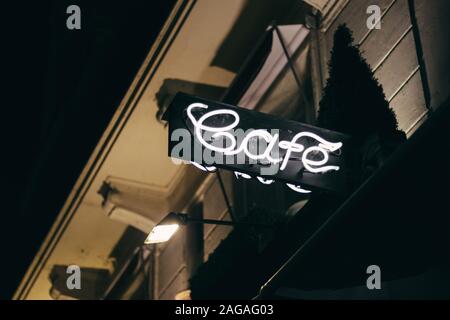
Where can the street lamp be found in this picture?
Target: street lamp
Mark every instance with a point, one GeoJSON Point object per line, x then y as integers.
{"type": "Point", "coordinates": [167, 227]}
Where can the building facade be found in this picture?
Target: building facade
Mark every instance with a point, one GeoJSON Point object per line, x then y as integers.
{"type": "Point", "coordinates": [231, 51]}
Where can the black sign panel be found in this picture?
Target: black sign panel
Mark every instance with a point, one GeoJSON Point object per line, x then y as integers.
{"type": "Point", "coordinates": [256, 145]}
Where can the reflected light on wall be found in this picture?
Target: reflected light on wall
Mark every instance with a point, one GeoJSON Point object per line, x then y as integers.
{"type": "Point", "coordinates": [183, 295]}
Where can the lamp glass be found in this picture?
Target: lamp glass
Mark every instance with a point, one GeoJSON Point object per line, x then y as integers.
{"type": "Point", "coordinates": [161, 233]}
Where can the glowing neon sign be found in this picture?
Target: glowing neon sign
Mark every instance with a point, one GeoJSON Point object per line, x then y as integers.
{"type": "Point", "coordinates": [305, 157]}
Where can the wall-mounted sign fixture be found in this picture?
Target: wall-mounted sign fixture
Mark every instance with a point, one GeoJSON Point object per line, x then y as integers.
{"type": "Point", "coordinates": [212, 135]}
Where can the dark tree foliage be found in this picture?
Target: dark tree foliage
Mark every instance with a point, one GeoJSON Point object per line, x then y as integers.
{"type": "Point", "coordinates": [353, 101]}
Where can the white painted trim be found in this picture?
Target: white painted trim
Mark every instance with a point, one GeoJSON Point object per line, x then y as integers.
{"type": "Point", "coordinates": [118, 120]}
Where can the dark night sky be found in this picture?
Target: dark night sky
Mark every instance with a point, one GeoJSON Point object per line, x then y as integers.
{"type": "Point", "coordinates": [61, 88]}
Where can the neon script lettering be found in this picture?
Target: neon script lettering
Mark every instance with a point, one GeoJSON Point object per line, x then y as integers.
{"type": "Point", "coordinates": [323, 146]}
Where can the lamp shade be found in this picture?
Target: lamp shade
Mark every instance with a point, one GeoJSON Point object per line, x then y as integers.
{"type": "Point", "coordinates": [165, 229]}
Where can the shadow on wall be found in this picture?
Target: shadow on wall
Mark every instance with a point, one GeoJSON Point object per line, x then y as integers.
{"type": "Point", "coordinates": [170, 87]}
{"type": "Point", "coordinates": [254, 19]}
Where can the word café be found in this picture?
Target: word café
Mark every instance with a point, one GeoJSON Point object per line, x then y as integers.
{"type": "Point", "coordinates": [255, 141]}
